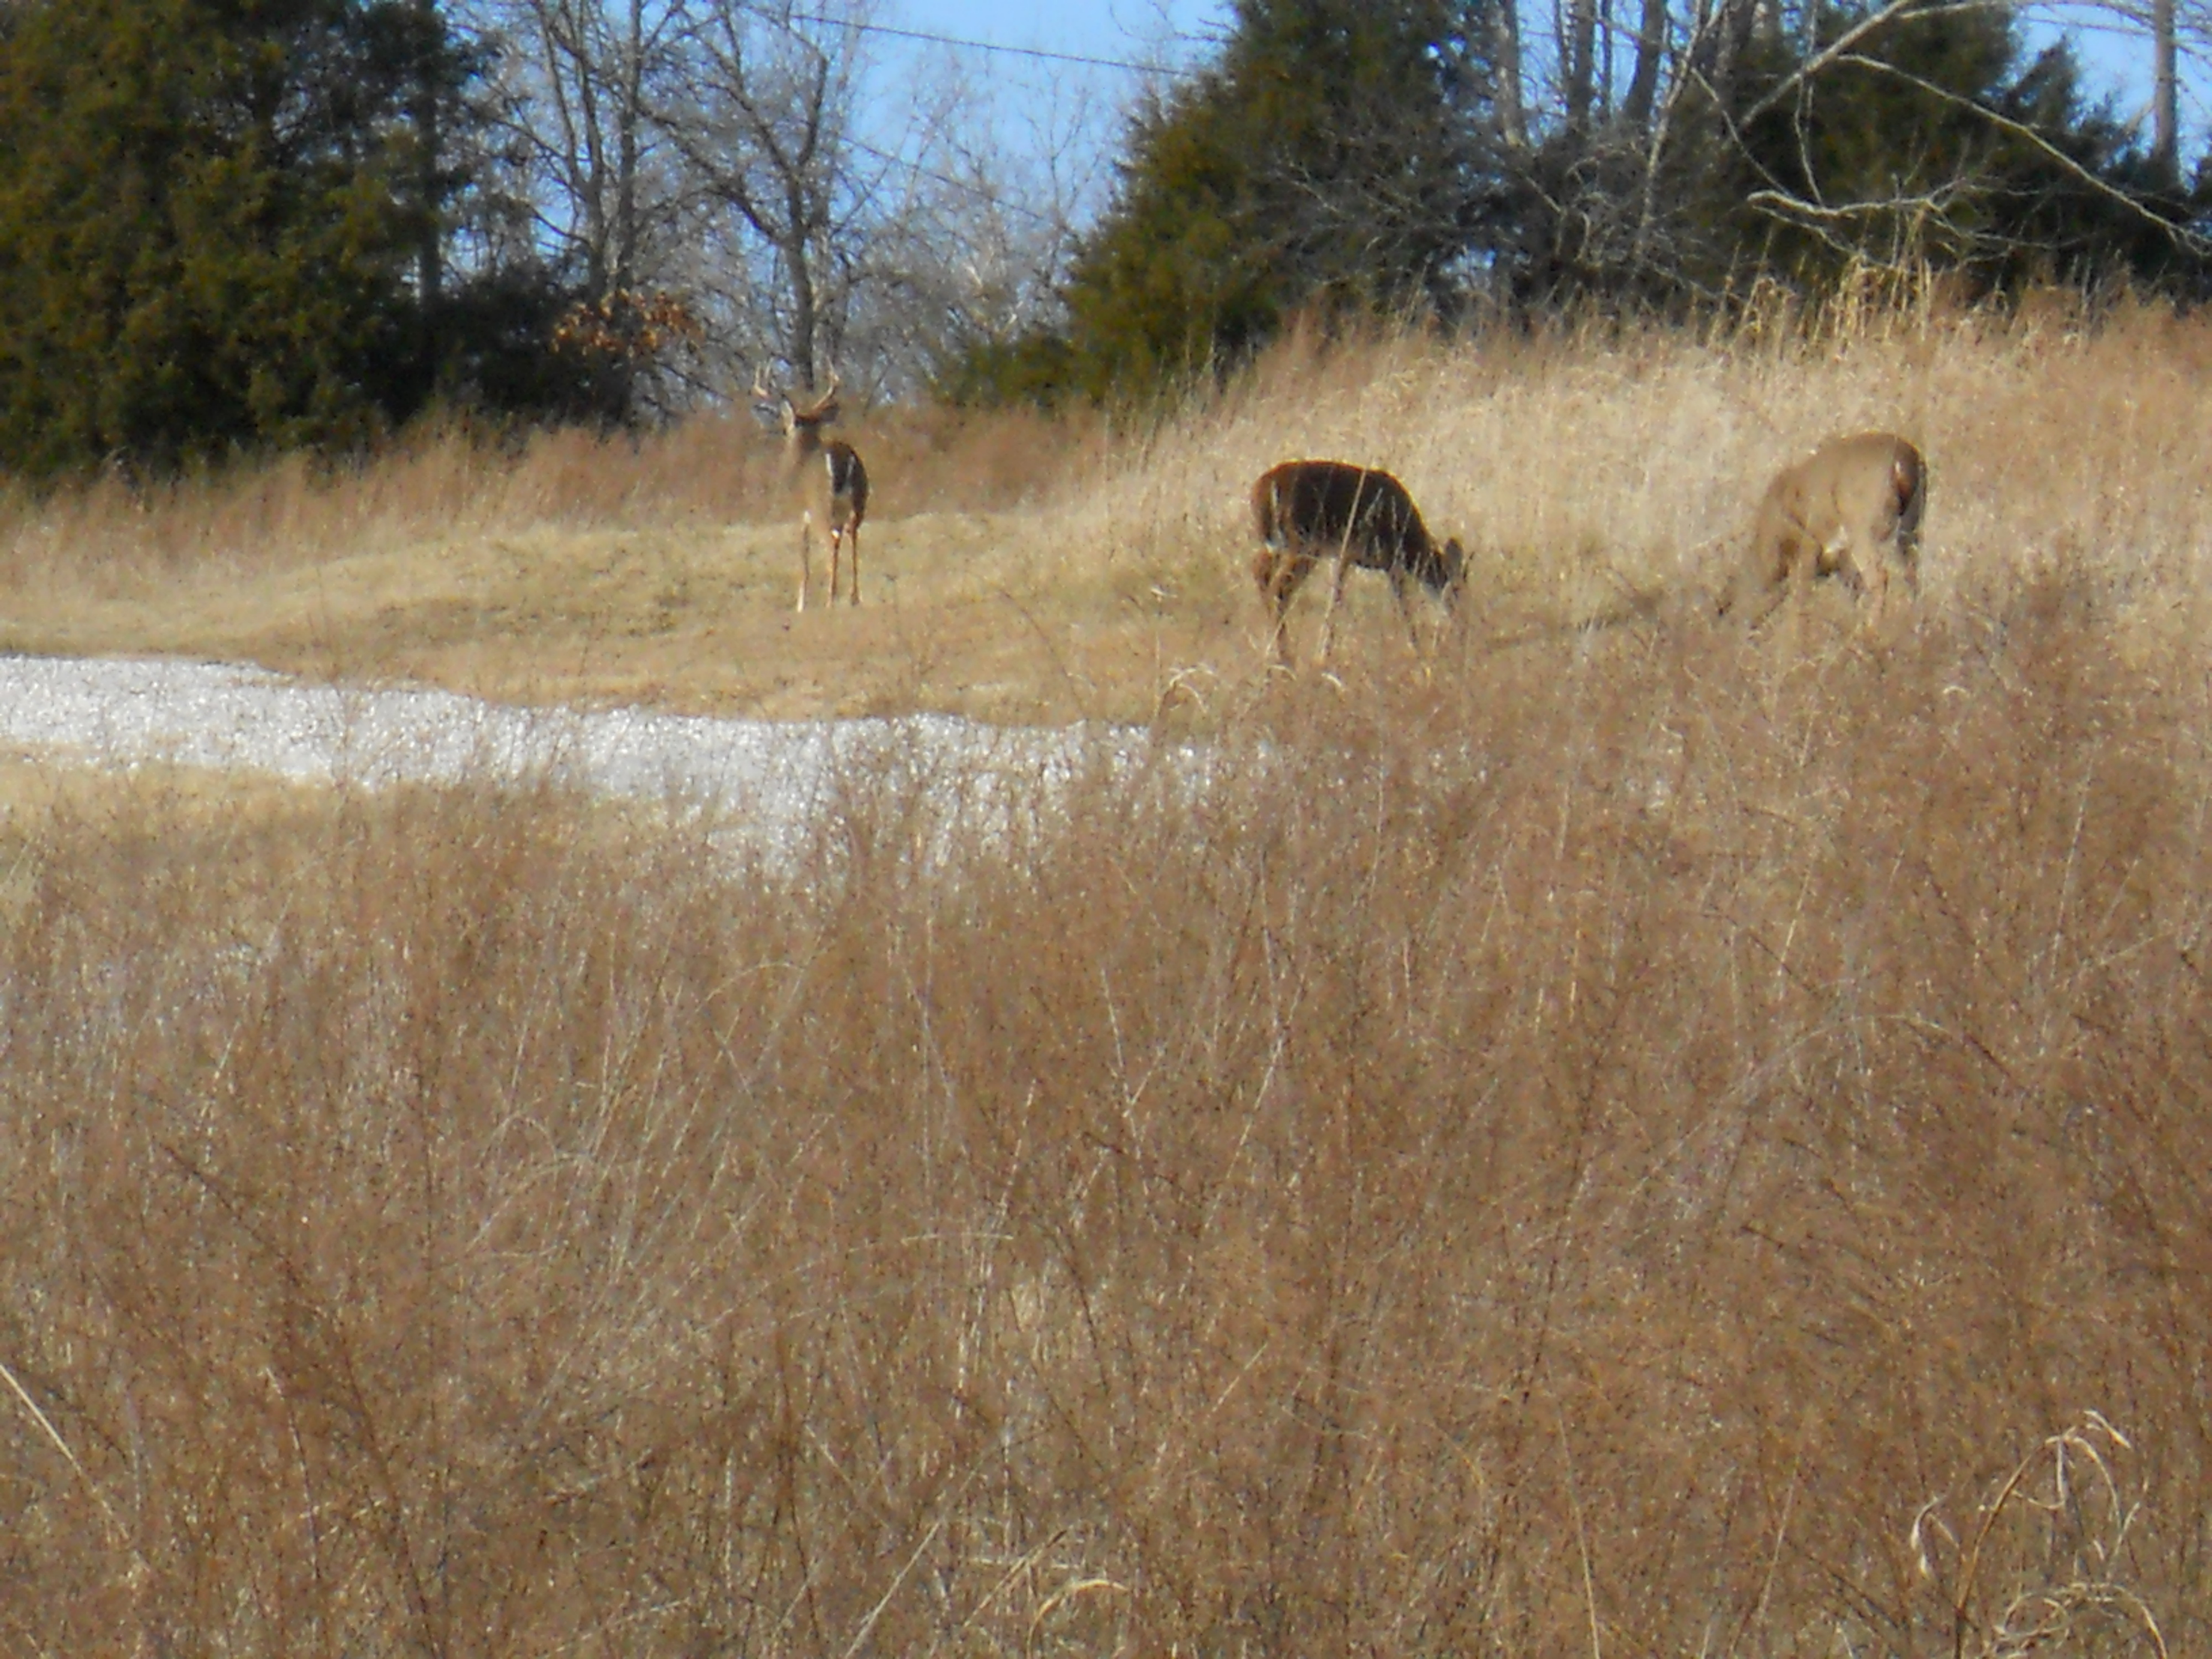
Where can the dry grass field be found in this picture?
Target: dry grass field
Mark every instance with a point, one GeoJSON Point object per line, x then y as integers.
{"type": "Point", "coordinates": [1018, 569]}
{"type": "Point", "coordinates": [1626, 1138]}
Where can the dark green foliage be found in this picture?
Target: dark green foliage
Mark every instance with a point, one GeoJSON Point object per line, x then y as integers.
{"type": "Point", "coordinates": [504, 345]}
{"type": "Point", "coordinates": [1037, 368]}
{"type": "Point", "coordinates": [1323, 164]}
{"type": "Point", "coordinates": [221, 225]}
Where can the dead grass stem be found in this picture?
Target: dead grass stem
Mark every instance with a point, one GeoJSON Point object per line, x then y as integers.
{"type": "Point", "coordinates": [1577, 1151]}
{"type": "Point", "coordinates": [1059, 568]}
{"type": "Point", "coordinates": [1643, 1138]}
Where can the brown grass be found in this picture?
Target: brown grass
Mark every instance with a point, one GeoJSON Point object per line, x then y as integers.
{"type": "Point", "coordinates": [1624, 1149]}
{"type": "Point", "coordinates": [1019, 569]}
{"type": "Point", "coordinates": [1646, 1141]}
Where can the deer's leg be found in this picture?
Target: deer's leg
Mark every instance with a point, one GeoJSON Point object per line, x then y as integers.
{"type": "Point", "coordinates": [1279, 571]}
{"type": "Point", "coordinates": [1401, 590]}
{"type": "Point", "coordinates": [1906, 540]}
{"type": "Point", "coordinates": [806, 562]}
{"type": "Point", "coordinates": [1875, 582]}
{"type": "Point", "coordinates": [1286, 588]}
{"type": "Point", "coordinates": [1795, 594]}
{"type": "Point", "coordinates": [837, 547]}
{"type": "Point", "coordinates": [1804, 571]}
{"type": "Point", "coordinates": [853, 552]}
{"type": "Point", "coordinates": [1335, 599]}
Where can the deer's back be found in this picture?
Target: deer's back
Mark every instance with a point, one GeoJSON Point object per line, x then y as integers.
{"type": "Point", "coordinates": [1864, 484]}
{"type": "Point", "coordinates": [1315, 508]}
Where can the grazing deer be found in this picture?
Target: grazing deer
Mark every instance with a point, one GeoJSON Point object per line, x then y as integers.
{"type": "Point", "coordinates": [838, 490]}
{"type": "Point", "coordinates": [1850, 509]}
{"type": "Point", "coordinates": [1304, 512]}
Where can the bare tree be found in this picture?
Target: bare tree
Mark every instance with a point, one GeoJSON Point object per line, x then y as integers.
{"type": "Point", "coordinates": [1643, 82]}
{"type": "Point", "coordinates": [600, 191]}
{"type": "Point", "coordinates": [764, 104]}
{"type": "Point", "coordinates": [1641, 196]}
{"type": "Point", "coordinates": [973, 256]}
{"type": "Point", "coordinates": [745, 176]}
{"type": "Point", "coordinates": [584, 74]}
{"type": "Point", "coordinates": [1580, 31]}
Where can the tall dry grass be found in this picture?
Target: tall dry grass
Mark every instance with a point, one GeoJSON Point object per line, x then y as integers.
{"type": "Point", "coordinates": [457, 479]}
{"type": "Point", "coordinates": [1650, 1142]}
{"type": "Point", "coordinates": [1021, 568]}
{"type": "Point", "coordinates": [1589, 466]}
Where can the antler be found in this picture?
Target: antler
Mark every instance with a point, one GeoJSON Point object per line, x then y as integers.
{"type": "Point", "coordinates": [823, 406]}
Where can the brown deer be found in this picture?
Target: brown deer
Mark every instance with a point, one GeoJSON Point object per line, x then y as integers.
{"type": "Point", "coordinates": [836, 487]}
{"type": "Point", "coordinates": [1851, 508]}
{"type": "Point", "coordinates": [1304, 512]}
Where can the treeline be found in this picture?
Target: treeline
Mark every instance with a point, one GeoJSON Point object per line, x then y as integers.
{"type": "Point", "coordinates": [232, 225]}
{"type": "Point", "coordinates": [1357, 156]}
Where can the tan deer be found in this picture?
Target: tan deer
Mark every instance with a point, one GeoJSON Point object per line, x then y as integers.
{"type": "Point", "coordinates": [827, 478]}
{"type": "Point", "coordinates": [1851, 508]}
{"type": "Point", "coordinates": [1304, 512]}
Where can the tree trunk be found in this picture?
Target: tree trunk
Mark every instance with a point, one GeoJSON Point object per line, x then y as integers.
{"type": "Point", "coordinates": [1512, 112]}
{"type": "Point", "coordinates": [1582, 43]}
{"type": "Point", "coordinates": [430, 141]}
{"type": "Point", "coordinates": [2165, 145]}
{"type": "Point", "coordinates": [1643, 84]}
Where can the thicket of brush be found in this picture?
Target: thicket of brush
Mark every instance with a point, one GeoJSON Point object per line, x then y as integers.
{"type": "Point", "coordinates": [1652, 1142]}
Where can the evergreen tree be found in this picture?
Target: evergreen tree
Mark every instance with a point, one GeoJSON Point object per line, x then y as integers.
{"type": "Point", "coordinates": [221, 224]}
{"type": "Point", "coordinates": [1327, 163]}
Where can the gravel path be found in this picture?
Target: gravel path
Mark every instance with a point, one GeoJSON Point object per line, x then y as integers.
{"type": "Point", "coordinates": [769, 776]}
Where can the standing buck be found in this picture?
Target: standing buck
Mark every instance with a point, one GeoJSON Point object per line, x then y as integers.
{"type": "Point", "coordinates": [836, 487]}
{"type": "Point", "coordinates": [1304, 512]}
{"type": "Point", "coordinates": [1851, 508]}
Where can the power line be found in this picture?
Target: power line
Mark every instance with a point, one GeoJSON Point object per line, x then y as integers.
{"type": "Point", "coordinates": [993, 46]}
{"type": "Point", "coordinates": [1006, 204]}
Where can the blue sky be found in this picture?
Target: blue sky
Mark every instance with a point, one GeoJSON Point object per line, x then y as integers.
{"type": "Point", "coordinates": [2117, 58]}
{"type": "Point", "coordinates": [1130, 30]}
{"type": "Point", "coordinates": [1032, 90]}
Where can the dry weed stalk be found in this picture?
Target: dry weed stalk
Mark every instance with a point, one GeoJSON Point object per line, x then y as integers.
{"type": "Point", "coordinates": [1613, 471]}
{"type": "Point", "coordinates": [1552, 1153]}
{"type": "Point", "coordinates": [2061, 1592]}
